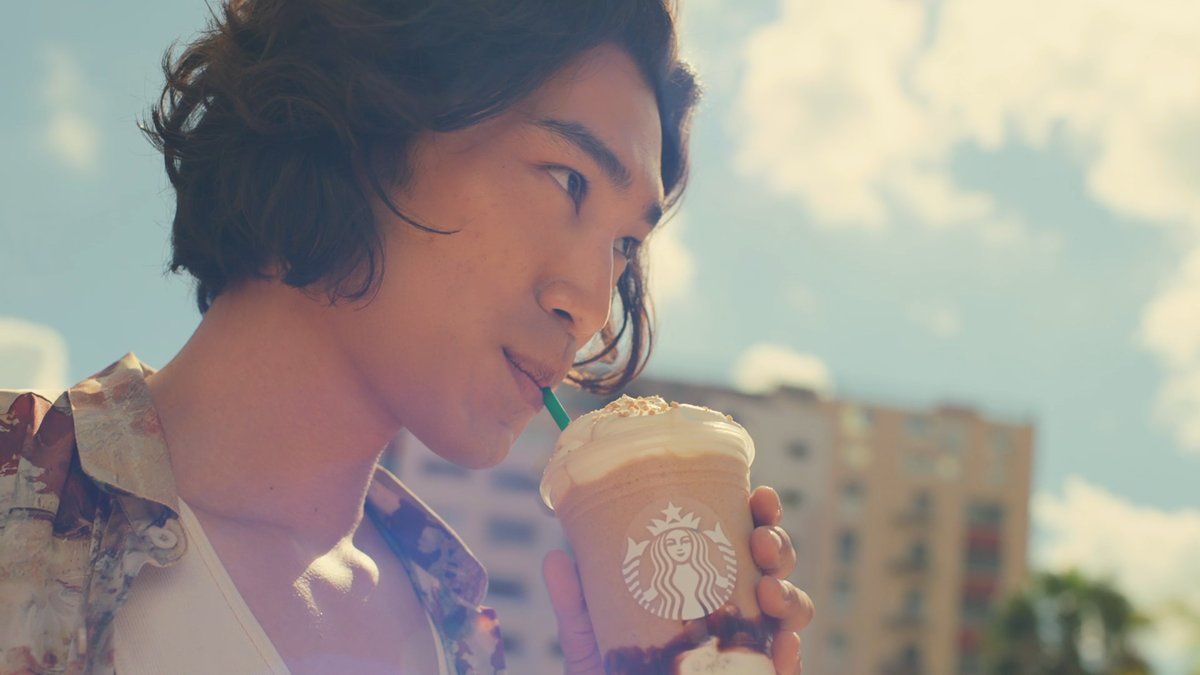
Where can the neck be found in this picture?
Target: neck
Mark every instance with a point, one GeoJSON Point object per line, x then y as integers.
{"type": "Point", "coordinates": [268, 425]}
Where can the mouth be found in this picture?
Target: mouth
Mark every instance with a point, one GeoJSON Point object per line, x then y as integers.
{"type": "Point", "coordinates": [529, 385]}
{"type": "Point", "coordinates": [540, 373]}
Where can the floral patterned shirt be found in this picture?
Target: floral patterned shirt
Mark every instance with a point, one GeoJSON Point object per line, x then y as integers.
{"type": "Point", "coordinates": [87, 497]}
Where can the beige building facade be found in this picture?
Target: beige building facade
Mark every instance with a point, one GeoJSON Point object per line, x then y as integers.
{"type": "Point", "coordinates": [926, 531]}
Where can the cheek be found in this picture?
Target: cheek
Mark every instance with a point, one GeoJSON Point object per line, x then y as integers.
{"type": "Point", "coordinates": [500, 238]}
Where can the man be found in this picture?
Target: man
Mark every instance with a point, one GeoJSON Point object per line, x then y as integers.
{"type": "Point", "coordinates": [393, 214]}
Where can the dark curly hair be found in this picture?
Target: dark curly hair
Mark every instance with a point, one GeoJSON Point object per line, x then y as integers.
{"type": "Point", "coordinates": [269, 120]}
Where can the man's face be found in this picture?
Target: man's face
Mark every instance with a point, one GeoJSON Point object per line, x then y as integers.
{"type": "Point", "coordinates": [531, 271]}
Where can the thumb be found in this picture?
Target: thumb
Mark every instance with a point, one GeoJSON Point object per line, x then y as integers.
{"type": "Point", "coordinates": [581, 654]}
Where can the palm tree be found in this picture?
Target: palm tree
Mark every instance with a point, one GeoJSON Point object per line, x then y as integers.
{"type": "Point", "coordinates": [1066, 624]}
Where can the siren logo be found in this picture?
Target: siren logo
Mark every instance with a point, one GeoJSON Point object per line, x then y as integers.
{"type": "Point", "coordinates": [682, 571]}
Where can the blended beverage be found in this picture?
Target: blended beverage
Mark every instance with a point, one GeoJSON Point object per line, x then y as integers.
{"type": "Point", "coordinates": [654, 499]}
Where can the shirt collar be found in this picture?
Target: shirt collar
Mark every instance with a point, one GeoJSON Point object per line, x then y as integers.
{"type": "Point", "coordinates": [121, 444]}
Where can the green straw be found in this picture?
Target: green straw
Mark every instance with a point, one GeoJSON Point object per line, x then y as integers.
{"type": "Point", "coordinates": [555, 408]}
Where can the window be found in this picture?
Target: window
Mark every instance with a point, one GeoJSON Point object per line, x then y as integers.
{"type": "Point", "coordinates": [983, 560]}
{"type": "Point", "coordinates": [852, 500]}
{"type": "Point", "coordinates": [916, 425]}
{"type": "Point", "coordinates": [839, 649]}
{"type": "Point", "coordinates": [953, 435]}
{"type": "Point", "coordinates": [918, 554]}
{"type": "Point", "coordinates": [910, 658]}
{"type": "Point", "coordinates": [791, 497]}
{"type": "Point", "coordinates": [914, 602]}
{"type": "Point", "coordinates": [923, 502]}
{"type": "Point", "coordinates": [512, 643]}
{"type": "Point", "coordinates": [798, 450]}
{"type": "Point", "coordinates": [982, 513]}
{"type": "Point", "coordinates": [843, 594]}
{"type": "Point", "coordinates": [504, 587]}
{"type": "Point", "coordinates": [847, 547]}
{"type": "Point", "coordinates": [515, 480]}
{"type": "Point", "coordinates": [976, 607]}
{"type": "Point", "coordinates": [919, 511]}
{"type": "Point", "coordinates": [439, 467]}
{"type": "Point", "coordinates": [510, 531]}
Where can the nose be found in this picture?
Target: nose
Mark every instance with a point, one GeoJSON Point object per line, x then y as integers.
{"type": "Point", "coordinates": [578, 291]}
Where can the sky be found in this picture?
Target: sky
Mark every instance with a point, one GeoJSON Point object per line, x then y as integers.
{"type": "Point", "coordinates": [905, 202]}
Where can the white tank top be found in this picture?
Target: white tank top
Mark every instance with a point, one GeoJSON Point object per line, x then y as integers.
{"type": "Point", "coordinates": [217, 633]}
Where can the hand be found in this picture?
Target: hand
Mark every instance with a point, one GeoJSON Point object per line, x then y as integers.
{"type": "Point", "coordinates": [777, 597]}
{"type": "Point", "coordinates": [581, 654]}
{"type": "Point", "coordinates": [772, 550]}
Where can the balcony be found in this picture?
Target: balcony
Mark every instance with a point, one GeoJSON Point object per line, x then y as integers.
{"type": "Point", "coordinates": [911, 517]}
{"type": "Point", "coordinates": [970, 639]}
{"type": "Point", "coordinates": [906, 620]}
{"type": "Point", "coordinates": [908, 661]}
{"type": "Point", "coordinates": [984, 538]}
{"type": "Point", "coordinates": [980, 585]}
{"type": "Point", "coordinates": [910, 565]}
{"type": "Point", "coordinates": [899, 667]}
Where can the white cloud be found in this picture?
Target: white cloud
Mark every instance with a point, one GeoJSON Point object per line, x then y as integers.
{"type": "Point", "coordinates": [844, 113]}
{"type": "Point", "coordinates": [672, 265]}
{"type": "Point", "coordinates": [764, 367]}
{"type": "Point", "coordinates": [1171, 330]}
{"type": "Point", "coordinates": [1171, 324]}
{"type": "Point", "coordinates": [940, 320]}
{"type": "Point", "coordinates": [1150, 554]}
{"type": "Point", "coordinates": [856, 107]}
{"type": "Point", "coordinates": [69, 134]}
{"type": "Point", "coordinates": [32, 356]}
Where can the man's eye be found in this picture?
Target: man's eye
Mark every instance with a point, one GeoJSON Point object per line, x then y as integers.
{"type": "Point", "coordinates": [627, 246]}
{"type": "Point", "coordinates": [571, 181]}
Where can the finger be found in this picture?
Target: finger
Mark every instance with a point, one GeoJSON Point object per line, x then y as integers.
{"type": "Point", "coordinates": [575, 634]}
{"type": "Point", "coordinates": [772, 550]}
{"type": "Point", "coordinates": [781, 599]}
{"type": "Point", "coordinates": [785, 652]}
{"type": "Point", "coordinates": [765, 505]}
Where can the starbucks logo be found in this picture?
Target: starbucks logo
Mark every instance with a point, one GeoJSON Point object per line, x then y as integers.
{"type": "Point", "coordinates": [682, 570]}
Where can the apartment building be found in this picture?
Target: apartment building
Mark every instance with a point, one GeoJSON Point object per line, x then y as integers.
{"type": "Point", "coordinates": [926, 530]}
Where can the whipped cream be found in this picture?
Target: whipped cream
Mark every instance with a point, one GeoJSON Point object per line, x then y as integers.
{"type": "Point", "coordinates": [629, 428]}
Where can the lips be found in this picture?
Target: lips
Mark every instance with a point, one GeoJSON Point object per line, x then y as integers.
{"type": "Point", "coordinates": [542, 374]}
{"type": "Point", "coordinates": [530, 392]}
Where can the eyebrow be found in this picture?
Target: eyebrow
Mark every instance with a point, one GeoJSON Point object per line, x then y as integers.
{"type": "Point", "coordinates": [583, 138]}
